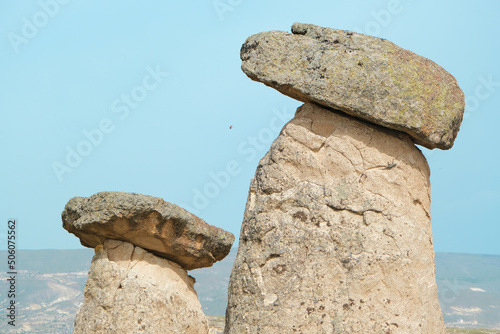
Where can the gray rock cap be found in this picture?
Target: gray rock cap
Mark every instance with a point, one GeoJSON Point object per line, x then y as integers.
{"type": "Point", "coordinates": [163, 228]}
{"type": "Point", "coordinates": [364, 76]}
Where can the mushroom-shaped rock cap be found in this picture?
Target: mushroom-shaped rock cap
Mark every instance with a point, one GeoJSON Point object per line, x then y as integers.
{"type": "Point", "coordinates": [364, 76]}
{"type": "Point", "coordinates": [149, 222]}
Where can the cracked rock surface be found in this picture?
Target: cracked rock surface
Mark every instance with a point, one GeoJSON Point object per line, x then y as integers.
{"type": "Point", "coordinates": [130, 290]}
{"type": "Point", "coordinates": [336, 236]}
{"type": "Point", "coordinates": [162, 228]}
{"type": "Point", "coordinates": [364, 76]}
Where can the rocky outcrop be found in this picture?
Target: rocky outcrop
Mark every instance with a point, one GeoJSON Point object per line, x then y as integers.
{"type": "Point", "coordinates": [149, 222]}
{"type": "Point", "coordinates": [336, 236]}
{"type": "Point", "coordinates": [364, 76]}
{"type": "Point", "coordinates": [130, 290]}
{"type": "Point", "coordinates": [138, 281]}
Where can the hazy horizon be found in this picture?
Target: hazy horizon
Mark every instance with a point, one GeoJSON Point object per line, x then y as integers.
{"type": "Point", "coordinates": [149, 97]}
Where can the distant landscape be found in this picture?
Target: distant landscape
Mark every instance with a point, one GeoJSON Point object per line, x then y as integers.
{"type": "Point", "coordinates": [50, 287]}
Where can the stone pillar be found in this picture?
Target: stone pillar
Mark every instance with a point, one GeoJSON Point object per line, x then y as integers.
{"type": "Point", "coordinates": [138, 281]}
{"type": "Point", "coordinates": [130, 290]}
{"type": "Point", "coordinates": [336, 236]}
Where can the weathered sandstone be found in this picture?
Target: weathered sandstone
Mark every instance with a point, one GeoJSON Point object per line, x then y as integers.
{"type": "Point", "coordinates": [364, 76]}
{"type": "Point", "coordinates": [130, 290]}
{"type": "Point", "coordinates": [336, 236]}
{"type": "Point", "coordinates": [149, 222]}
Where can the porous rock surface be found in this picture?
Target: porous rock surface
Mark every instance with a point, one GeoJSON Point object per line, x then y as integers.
{"type": "Point", "coordinates": [130, 290]}
{"type": "Point", "coordinates": [162, 228]}
{"type": "Point", "coordinates": [364, 76]}
{"type": "Point", "coordinates": [336, 236]}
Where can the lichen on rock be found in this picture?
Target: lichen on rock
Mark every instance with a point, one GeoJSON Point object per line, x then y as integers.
{"type": "Point", "coordinates": [163, 228]}
{"type": "Point", "coordinates": [367, 77]}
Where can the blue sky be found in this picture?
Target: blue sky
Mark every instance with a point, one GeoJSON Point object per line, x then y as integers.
{"type": "Point", "coordinates": [139, 96]}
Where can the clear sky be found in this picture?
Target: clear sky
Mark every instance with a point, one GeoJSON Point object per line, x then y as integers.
{"type": "Point", "coordinates": [140, 96]}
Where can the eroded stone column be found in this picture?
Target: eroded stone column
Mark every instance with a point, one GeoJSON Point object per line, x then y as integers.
{"type": "Point", "coordinates": [336, 236]}
{"type": "Point", "coordinates": [130, 290]}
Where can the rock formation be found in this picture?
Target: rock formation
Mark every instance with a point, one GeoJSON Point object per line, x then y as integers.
{"type": "Point", "coordinates": [336, 236]}
{"type": "Point", "coordinates": [149, 222]}
{"type": "Point", "coordinates": [138, 281]}
{"type": "Point", "coordinates": [364, 76]}
{"type": "Point", "coordinates": [130, 290]}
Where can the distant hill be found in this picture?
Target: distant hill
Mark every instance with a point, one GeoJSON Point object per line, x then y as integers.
{"type": "Point", "coordinates": [51, 285]}
{"type": "Point", "coordinates": [469, 289]}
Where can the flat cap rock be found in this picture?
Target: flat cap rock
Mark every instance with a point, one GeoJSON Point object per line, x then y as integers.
{"type": "Point", "coordinates": [163, 228]}
{"type": "Point", "coordinates": [364, 76]}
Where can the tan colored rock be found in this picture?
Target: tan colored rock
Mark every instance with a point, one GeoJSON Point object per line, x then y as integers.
{"type": "Point", "coordinates": [336, 236]}
{"type": "Point", "coordinates": [130, 290]}
{"type": "Point", "coordinates": [163, 228]}
{"type": "Point", "coordinates": [364, 76]}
